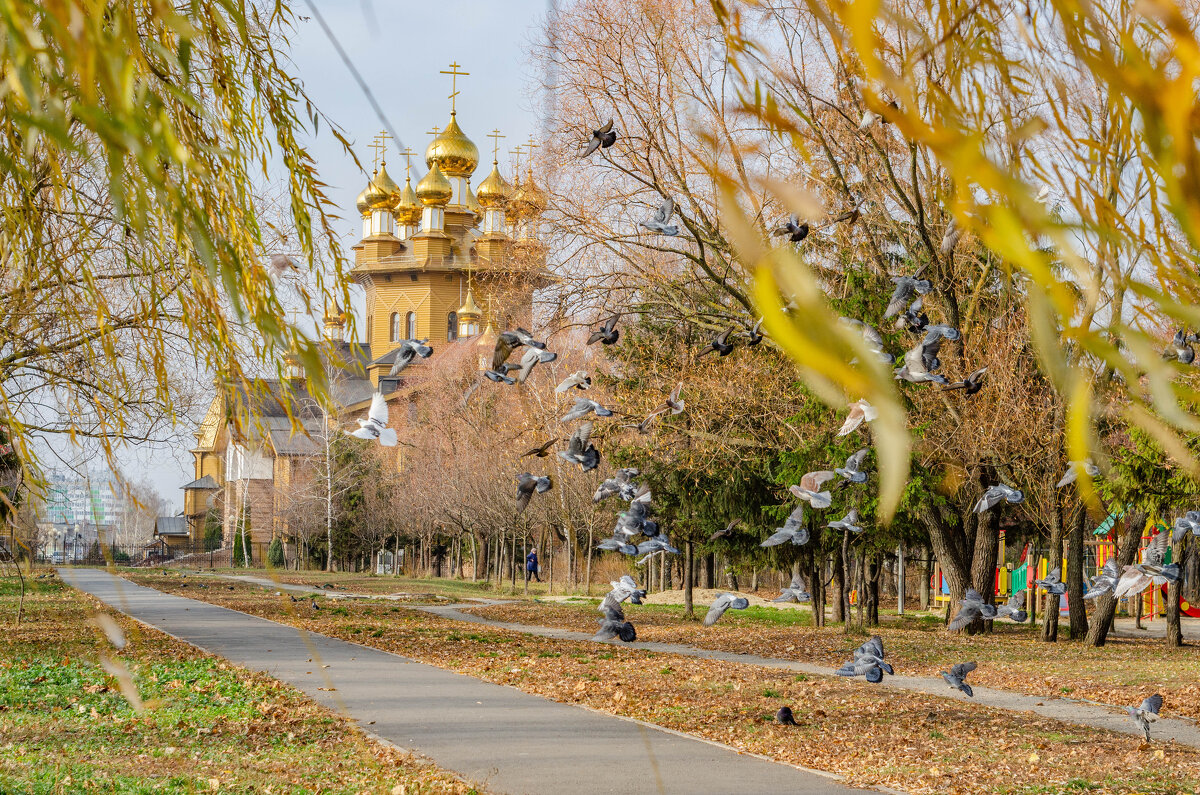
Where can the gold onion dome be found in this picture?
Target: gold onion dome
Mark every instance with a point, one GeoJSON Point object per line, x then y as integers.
{"type": "Point", "coordinates": [494, 191]}
{"type": "Point", "coordinates": [362, 202]}
{"type": "Point", "coordinates": [469, 310]}
{"type": "Point", "coordinates": [533, 198]}
{"type": "Point", "coordinates": [471, 202]}
{"type": "Point", "coordinates": [383, 192]}
{"type": "Point", "coordinates": [453, 151]}
{"type": "Point", "coordinates": [434, 189]}
{"type": "Point", "coordinates": [408, 209]}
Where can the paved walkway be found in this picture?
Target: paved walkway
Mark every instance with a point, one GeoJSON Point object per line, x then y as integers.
{"type": "Point", "coordinates": [499, 736]}
{"type": "Point", "coordinates": [1100, 716]}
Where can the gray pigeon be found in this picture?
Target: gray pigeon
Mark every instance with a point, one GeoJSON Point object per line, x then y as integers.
{"type": "Point", "coordinates": [1188, 523]}
{"type": "Point", "coordinates": [580, 450]}
{"type": "Point", "coordinates": [955, 676]}
{"type": "Point", "coordinates": [626, 588]}
{"type": "Point", "coordinates": [659, 221]}
{"type": "Point", "coordinates": [871, 337]}
{"type": "Point", "coordinates": [1014, 608]}
{"type": "Point", "coordinates": [996, 495]}
{"type": "Point", "coordinates": [578, 380]}
{"type": "Point", "coordinates": [785, 717]}
{"type": "Point", "coordinates": [796, 592]}
{"type": "Point", "coordinates": [1147, 712]}
{"type": "Point", "coordinates": [621, 484]}
{"type": "Point", "coordinates": [725, 531]}
{"type": "Point", "coordinates": [656, 543]}
{"type": "Point", "coordinates": [723, 602]}
{"type": "Point", "coordinates": [607, 334]}
{"type": "Point", "coordinates": [852, 471]}
{"type": "Point", "coordinates": [951, 237]}
{"type": "Point", "coordinates": [1053, 583]}
{"type": "Point", "coordinates": [1105, 581]}
{"type": "Point", "coordinates": [583, 407]}
{"type": "Point", "coordinates": [906, 288]}
{"type": "Point", "coordinates": [972, 607]}
{"type": "Point", "coordinates": [793, 228]}
{"type": "Point", "coordinates": [793, 530]}
{"type": "Point", "coordinates": [531, 359]}
{"type": "Point", "coordinates": [407, 351]}
{"type": "Point", "coordinates": [602, 138]}
{"type": "Point", "coordinates": [847, 522]}
{"type": "Point", "coordinates": [868, 661]}
{"type": "Point", "coordinates": [1072, 472]}
{"type": "Point", "coordinates": [614, 624]}
{"type": "Point", "coordinates": [1180, 347]}
{"type": "Point", "coordinates": [527, 484]}
{"type": "Point", "coordinates": [971, 384]}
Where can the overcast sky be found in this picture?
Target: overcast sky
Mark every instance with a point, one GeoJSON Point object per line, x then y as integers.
{"type": "Point", "coordinates": [399, 47]}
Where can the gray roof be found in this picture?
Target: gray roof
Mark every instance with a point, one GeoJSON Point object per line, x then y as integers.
{"type": "Point", "coordinates": [170, 526]}
{"type": "Point", "coordinates": [206, 482]}
{"type": "Point", "coordinates": [287, 443]}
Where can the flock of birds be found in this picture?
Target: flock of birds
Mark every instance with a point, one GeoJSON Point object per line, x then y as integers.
{"type": "Point", "coordinates": [920, 364]}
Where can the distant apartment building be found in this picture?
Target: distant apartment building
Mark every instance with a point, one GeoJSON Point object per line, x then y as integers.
{"type": "Point", "coordinates": [95, 498]}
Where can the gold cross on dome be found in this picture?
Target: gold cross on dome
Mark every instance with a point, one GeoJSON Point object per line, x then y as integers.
{"type": "Point", "coordinates": [407, 155]}
{"type": "Point", "coordinates": [517, 152]}
{"type": "Point", "coordinates": [496, 136]}
{"type": "Point", "coordinates": [383, 137]}
{"type": "Point", "coordinates": [379, 146]}
{"type": "Point", "coordinates": [454, 75]}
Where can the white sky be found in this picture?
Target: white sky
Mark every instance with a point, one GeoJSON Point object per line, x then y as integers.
{"type": "Point", "coordinates": [398, 46]}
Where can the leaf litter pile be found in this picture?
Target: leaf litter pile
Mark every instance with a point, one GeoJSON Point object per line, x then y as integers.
{"type": "Point", "coordinates": [910, 741]}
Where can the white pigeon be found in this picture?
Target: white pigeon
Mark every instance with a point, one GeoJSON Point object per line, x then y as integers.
{"type": "Point", "coordinates": [860, 411]}
{"type": "Point", "coordinates": [578, 379]}
{"type": "Point", "coordinates": [375, 425]}
{"type": "Point", "coordinates": [808, 490]}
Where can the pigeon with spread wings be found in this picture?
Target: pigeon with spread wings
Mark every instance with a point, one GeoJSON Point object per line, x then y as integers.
{"type": "Point", "coordinates": [607, 334]}
{"type": "Point", "coordinates": [375, 425]}
{"type": "Point", "coordinates": [602, 138]}
{"type": "Point", "coordinates": [809, 488]}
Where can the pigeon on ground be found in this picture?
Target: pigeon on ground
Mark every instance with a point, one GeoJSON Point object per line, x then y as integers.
{"type": "Point", "coordinates": [602, 138]}
{"type": "Point", "coordinates": [1105, 580]}
{"type": "Point", "coordinates": [621, 484]}
{"type": "Point", "coordinates": [972, 607]}
{"type": "Point", "coordinates": [672, 404]}
{"type": "Point", "coordinates": [906, 288]}
{"type": "Point", "coordinates": [796, 592]}
{"type": "Point", "coordinates": [659, 222]}
{"type": "Point", "coordinates": [808, 489]}
{"type": "Point", "coordinates": [785, 717]}
{"type": "Point", "coordinates": [871, 337]}
{"type": "Point", "coordinates": [793, 228]}
{"type": "Point", "coordinates": [1072, 472]}
{"type": "Point", "coordinates": [852, 471]}
{"type": "Point", "coordinates": [868, 661]}
{"type": "Point", "coordinates": [1180, 347]}
{"type": "Point", "coordinates": [1053, 583]}
{"type": "Point", "coordinates": [614, 623]}
{"type": "Point", "coordinates": [793, 530]}
{"type": "Point", "coordinates": [1147, 712]}
{"type": "Point", "coordinates": [315, 606]}
{"type": "Point", "coordinates": [583, 407]}
{"type": "Point", "coordinates": [540, 452]}
{"type": "Point", "coordinates": [375, 425]}
{"type": "Point", "coordinates": [754, 335]}
{"type": "Point", "coordinates": [971, 384]}
{"type": "Point", "coordinates": [607, 334]}
{"type": "Point", "coordinates": [580, 450]}
{"type": "Point", "coordinates": [407, 352]}
{"type": "Point", "coordinates": [720, 345]}
{"type": "Point", "coordinates": [729, 528]}
{"type": "Point", "coordinates": [531, 359]}
{"type": "Point", "coordinates": [1014, 608]}
{"type": "Point", "coordinates": [996, 495]}
{"type": "Point", "coordinates": [957, 674]}
{"type": "Point", "coordinates": [293, 596]}
{"type": "Point", "coordinates": [860, 411]}
{"type": "Point", "coordinates": [527, 484]}
{"type": "Point", "coordinates": [578, 380]}
{"type": "Point", "coordinates": [847, 522]}
{"type": "Point", "coordinates": [723, 602]}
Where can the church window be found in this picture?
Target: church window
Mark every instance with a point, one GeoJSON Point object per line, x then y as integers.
{"type": "Point", "coordinates": [410, 326]}
{"type": "Point", "coordinates": [394, 333]}
{"type": "Point", "coordinates": [451, 327]}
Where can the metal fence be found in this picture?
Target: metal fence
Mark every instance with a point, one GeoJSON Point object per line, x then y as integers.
{"type": "Point", "coordinates": [151, 554]}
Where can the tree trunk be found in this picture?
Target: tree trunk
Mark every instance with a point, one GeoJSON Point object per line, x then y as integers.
{"type": "Point", "coordinates": [1050, 624]}
{"type": "Point", "coordinates": [926, 579]}
{"type": "Point", "coordinates": [588, 575]}
{"type": "Point", "coordinates": [688, 554]}
{"type": "Point", "coordinates": [839, 586]}
{"type": "Point", "coordinates": [983, 564]}
{"type": "Point", "coordinates": [860, 582]}
{"type": "Point", "coordinates": [847, 572]}
{"type": "Point", "coordinates": [901, 585]}
{"type": "Point", "coordinates": [1106, 605]}
{"type": "Point", "coordinates": [1174, 630]}
{"type": "Point", "coordinates": [951, 553]}
{"type": "Point", "coordinates": [710, 564]}
{"type": "Point", "coordinates": [1074, 578]}
{"type": "Point", "coordinates": [872, 574]}
{"type": "Point", "coordinates": [816, 589]}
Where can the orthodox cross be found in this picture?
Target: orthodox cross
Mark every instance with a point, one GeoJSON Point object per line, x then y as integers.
{"type": "Point", "coordinates": [496, 136]}
{"type": "Point", "coordinates": [454, 75]}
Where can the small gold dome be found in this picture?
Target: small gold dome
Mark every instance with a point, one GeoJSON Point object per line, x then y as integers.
{"type": "Point", "coordinates": [386, 192]}
{"type": "Point", "coordinates": [362, 202]}
{"type": "Point", "coordinates": [408, 209]}
{"type": "Point", "coordinates": [434, 189]}
{"type": "Point", "coordinates": [494, 191]}
{"type": "Point", "coordinates": [516, 199]}
{"type": "Point", "coordinates": [471, 202]}
{"type": "Point", "coordinates": [469, 310]}
{"type": "Point", "coordinates": [453, 151]}
{"type": "Point", "coordinates": [533, 199]}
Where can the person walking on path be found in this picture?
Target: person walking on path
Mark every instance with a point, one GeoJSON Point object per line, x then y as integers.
{"type": "Point", "coordinates": [531, 566]}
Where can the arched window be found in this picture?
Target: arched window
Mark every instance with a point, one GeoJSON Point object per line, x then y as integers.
{"type": "Point", "coordinates": [451, 327]}
{"type": "Point", "coordinates": [394, 326]}
{"type": "Point", "coordinates": [410, 326]}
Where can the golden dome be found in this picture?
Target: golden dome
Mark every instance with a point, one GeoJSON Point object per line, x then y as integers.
{"type": "Point", "coordinates": [494, 191]}
{"type": "Point", "coordinates": [469, 310]}
{"type": "Point", "coordinates": [471, 203]}
{"type": "Point", "coordinates": [408, 209]}
{"type": "Point", "coordinates": [383, 192]}
{"type": "Point", "coordinates": [363, 202]}
{"type": "Point", "coordinates": [434, 189]}
{"type": "Point", "coordinates": [453, 151]}
{"type": "Point", "coordinates": [533, 199]}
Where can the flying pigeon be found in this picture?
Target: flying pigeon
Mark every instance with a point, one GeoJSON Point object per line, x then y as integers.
{"type": "Point", "coordinates": [578, 380]}
{"type": "Point", "coordinates": [847, 522]}
{"type": "Point", "coordinates": [721, 344]}
{"type": "Point", "coordinates": [796, 592]}
{"type": "Point", "coordinates": [1147, 712]}
{"type": "Point", "coordinates": [281, 264]}
{"type": "Point", "coordinates": [1072, 472]}
{"type": "Point", "coordinates": [626, 588]}
{"type": "Point", "coordinates": [808, 488]}
{"type": "Point", "coordinates": [852, 471]}
{"type": "Point", "coordinates": [1014, 608]}
{"type": "Point", "coordinates": [501, 376]}
{"type": "Point", "coordinates": [784, 716]}
{"type": "Point", "coordinates": [1053, 583]}
{"type": "Point", "coordinates": [793, 530]}
{"type": "Point", "coordinates": [540, 452]}
{"type": "Point", "coordinates": [860, 411]}
{"type": "Point", "coordinates": [792, 227]}
{"type": "Point", "coordinates": [971, 384]}
{"type": "Point", "coordinates": [1152, 569]}
{"type": "Point", "coordinates": [375, 425]}
{"type": "Point", "coordinates": [531, 359]}
{"type": "Point", "coordinates": [723, 602]}
{"type": "Point", "coordinates": [657, 541]}
{"type": "Point", "coordinates": [906, 288]}
{"type": "Point", "coordinates": [754, 335]}
{"type": "Point", "coordinates": [506, 343]}
{"type": "Point", "coordinates": [1189, 522]}
{"type": "Point", "coordinates": [868, 120]}
{"type": "Point", "coordinates": [1180, 347]}
{"type": "Point", "coordinates": [672, 404]}
{"type": "Point", "coordinates": [407, 352]}
{"type": "Point", "coordinates": [527, 484]}
{"type": "Point", "coordinates": [951, 237]}
{"type": "Point", "coordinates": [722, 533]}
{"type": "Point", "coordinates": [957, 674]}
{"type": "Point", "coordinates": [602, 138]}
{"type": "Point", "coordinates": [871, 336]}
{"type": "Point", "coordinates": [620, 484]}
{"type": "Point", "coordinates": [851, 216]}
{"type": "Point", "coordinates": [659, 221]}
{"type": "Point", "coordinates": [618, 543]}
{"type": "Point", "coordinates": [607, 334]}
{"type": "Point", "coordinates": [614, 623]}
{"type": "Point", "coordinates": [868, 661]}
{"type": "Point", "coordinates": [583, 407]}
{"type": "Point", "coordinates": [922, 360]}
{"type": "Point", "coordinates": [580, 450]}
{"type": "Point", "coordinates": [972, 607]}
{"type": "Point", "coordinates": [996, 495]}
{"type": "Point", "coordinates": [1105, 580]}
